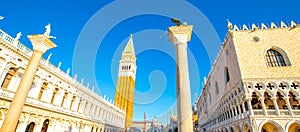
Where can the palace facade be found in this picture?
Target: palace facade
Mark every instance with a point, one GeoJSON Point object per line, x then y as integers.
{"type": "Point", "coordinates": [56, 102]}
{"type": "Point", "coordinates": [254, 83]}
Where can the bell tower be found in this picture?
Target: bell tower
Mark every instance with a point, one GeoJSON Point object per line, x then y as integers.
{"type": "Point", "coordinates": [124, 96]}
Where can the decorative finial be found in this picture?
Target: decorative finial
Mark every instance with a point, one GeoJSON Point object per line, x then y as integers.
{"type": "Point", "coordinates": [93, 88]}
{"type": "Point", "coordinates": [293, 24]}
{"type": "Point", "coordinates": [229, 25]}
{"type": "Point", "coordinates": [68, 71]}
{"type": "Point", "coordinates": [88, 85]}
{"type": "Point", "coordinates": [130, 35]}
{"type": "Point", "coordinates": [49, 56]}
{"type": "Point", "coordinates": [75, 77]}
{"type": "Point", "coordinates": [254, 27]}
{"type": "Point", "coordinates": [184, 23]}
{"type": "Point", "coordinates": [59, 64]}
{"type": "Point", "coordinates": [273, 25]}
{"type": "Point", "coordinates": [282, 25]}
{"type": "Point", "coordinates": [82, 81]}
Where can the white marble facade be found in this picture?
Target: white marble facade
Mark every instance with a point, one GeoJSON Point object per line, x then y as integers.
{"type": "Point", "coordinates": [56, 102]}
{"type": "Point", "coordinates": [254, 83]}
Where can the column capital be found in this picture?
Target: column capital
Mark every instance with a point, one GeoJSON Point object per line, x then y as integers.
{"type": "Point", "coordinates": [180, 34]}
{"type": "Point", "coordinates": [286, 98]}
{"type": "Point", "coordinates": [41, 42]}
{"type": "Point", "coordinates": [261, 98]}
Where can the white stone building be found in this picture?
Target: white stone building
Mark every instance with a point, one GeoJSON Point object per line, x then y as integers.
{"type": "Point", "coordinates": [151, 126]}
{"type": "Point", "coordinates": [56, 102]}
{"type": "Point", "coordinates": [254, 83]}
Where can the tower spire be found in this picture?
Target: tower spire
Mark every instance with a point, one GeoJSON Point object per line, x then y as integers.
{"type": "Point", "coordinates": [129, 47]}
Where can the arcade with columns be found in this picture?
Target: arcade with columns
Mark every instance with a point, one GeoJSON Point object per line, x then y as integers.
{"type": "Point", "coordinates": [56, 101]}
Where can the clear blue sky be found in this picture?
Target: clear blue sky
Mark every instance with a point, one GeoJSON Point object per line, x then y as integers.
{"type": "Point", "coordinates": [91, 35]}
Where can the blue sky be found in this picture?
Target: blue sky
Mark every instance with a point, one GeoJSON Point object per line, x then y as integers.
{"type": "Point", "coordinates": [91, 35]}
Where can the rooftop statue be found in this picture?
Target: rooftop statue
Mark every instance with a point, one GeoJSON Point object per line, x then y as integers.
{"type": "Point", "coordinates": [48, 30]}
{"type": "Point", "coordinates": [176, 21]}
{"type": "Point", "coordinates": [19, 34]}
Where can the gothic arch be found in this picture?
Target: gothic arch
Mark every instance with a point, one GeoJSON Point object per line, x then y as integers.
{"type": "Point", "coordinates": [287, 126]}
{"type": "Point", "coordinates": [30, 127]}
{"type": "Point", "coordinates": [279, 128]}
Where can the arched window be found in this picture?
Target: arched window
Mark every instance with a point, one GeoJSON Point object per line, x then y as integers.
{"type": "Point", "coordinates": [30, 127]}
{"type": "Point", "coordinates": [64, 99]}
{"type": "Point", "coordinates": [217, 88]}
{"type": "Point", "coordinates": [12, 71]}
{"type": "Point", "coordinates": [226, 74]}
{"type": "Point", "coordinates": [80, 101]}
{"type": "Point", "coordinates": [44, 86]}
{"type": "Point", "coordinates": [45, 126]}
{"type": "Point", "coordinates": [276, 59]}
{"type": "Point", "coordinates": [54, 95]}
{"type": "Point", "coordinates": [72, 102]}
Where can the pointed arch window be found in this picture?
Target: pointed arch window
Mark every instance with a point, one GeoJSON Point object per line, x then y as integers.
{"type": "Point", "coordinates": [217, 88]}
{"type": "Point", "coordinates": [12, 71]}
{"type": "Point", "coordinates": [226, 74]}
{"type": "Point", "coordinates": [276, 59]}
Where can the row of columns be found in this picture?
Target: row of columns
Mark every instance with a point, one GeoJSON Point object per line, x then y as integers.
{"type": "Point", "coordinates": [47, 96]}
{"type": "Point", "coordinates": [264, 109]}
{"type": "Point", "coordinates": [57, 125]}
{"type": "Point", "coordinates": [240, 107]}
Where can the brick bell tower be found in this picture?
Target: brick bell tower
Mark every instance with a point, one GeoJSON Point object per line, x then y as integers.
{"type": "Point", "coordinates": [124, 96]}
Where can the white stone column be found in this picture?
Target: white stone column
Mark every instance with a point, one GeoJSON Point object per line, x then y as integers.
{"type": "Point", "coordinates": [248, 99]}
{"type": "Point", "coordinates": [41, 43]}
{"type": "Point", "coordinates": [243, 107]}
{"type": "Point", "coordinates": [47, 94]}
{"type": "Point", "coordinates": [81, 107]}
{"type": "Point", "coordinates": [58, 97]}
{"type": "Point", "coordinates": [67, 101]}
{"type": "Point", "coordinates": [288, 105]}
{"type": "Point", "coordinates": [35, 90]}
{"type": "Point", "coordinates": [51, 125]}
{"type": "Point", "coordinates": [275, 105]}
{"type": "Point", "coordinates": [180, 35]}
{"type": "Point", "coordinates": [261, 99]}
{"type": "Point", "coordinates": [13, 84]}
{"type": "Point", "coordinates": [38, 126]}
{"type": "Point", "coordinates": [3, 72]}
{"type": "Point", "coordinates": [23, 124]}
{"type": "Point", "coordinates": [75, 104]}
{"type": "Point", "coordinates": [235, 110]}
